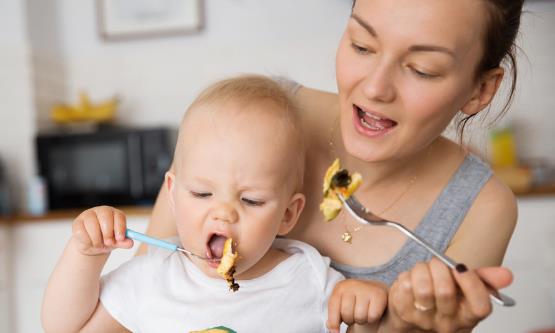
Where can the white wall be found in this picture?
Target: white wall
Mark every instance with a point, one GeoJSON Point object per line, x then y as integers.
{"type": "Point", "coordinates": [158, 78]}
{"type": "Point", "coordinates": [17, 122]}
{"type": "Point", "coordinates": [533, 113]}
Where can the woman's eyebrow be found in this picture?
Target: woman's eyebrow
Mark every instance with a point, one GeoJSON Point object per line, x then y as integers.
{"type": "Point", "coordinates": [365, 25]}
{"type": "Point", "coordinates": [431, 48]}
{"type": "Point", "coordinates": [414, 48]}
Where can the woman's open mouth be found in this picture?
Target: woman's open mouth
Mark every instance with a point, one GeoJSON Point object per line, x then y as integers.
{"type": "Point", "coordinates": [370, 124]}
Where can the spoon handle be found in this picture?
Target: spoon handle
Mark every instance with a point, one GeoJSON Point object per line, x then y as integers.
{"type": "Point", "coordinates": [150, 240]}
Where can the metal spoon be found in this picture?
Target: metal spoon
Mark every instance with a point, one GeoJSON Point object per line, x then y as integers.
{"type": "Point", "coordinates": [364, 216]}
{"type": "Point", "coordinates": [162, 244]}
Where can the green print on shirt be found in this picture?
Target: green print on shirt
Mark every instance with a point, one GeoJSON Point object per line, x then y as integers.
{"type": "Point", "coordinates": [218, 329]}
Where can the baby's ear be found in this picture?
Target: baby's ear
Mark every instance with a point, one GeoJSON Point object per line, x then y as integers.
{"type": "Point", "coordinates": [292, 213]}
{"type": "Point", "coordinates": [169, 184]}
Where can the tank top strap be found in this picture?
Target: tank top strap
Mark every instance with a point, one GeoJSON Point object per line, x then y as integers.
{"type": "Point", "coordinates": [443, 219]}
{"type": "Point", "coordinates": [438, 226]}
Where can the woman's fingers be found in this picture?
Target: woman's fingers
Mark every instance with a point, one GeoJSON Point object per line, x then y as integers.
{"type": "Point", "coordinates": [476, 296]}
{"type": "Point", "coordinates": [496, 277]}
{"type": "Point", "coordinates": [445, 289]}
{"type": "Point", "coordinates": [423, 287]}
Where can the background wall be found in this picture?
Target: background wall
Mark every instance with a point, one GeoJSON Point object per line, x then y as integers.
{"type": "Point", "coordinates": [157, 78]}
{"type": "Point", "coordinates": [17, 116]}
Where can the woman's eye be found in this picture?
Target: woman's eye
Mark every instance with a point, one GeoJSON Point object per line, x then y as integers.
{"type": "Point", "coordinates": [252, 202]}
{"type": "Point", "coordinates": [200, 194]}
{"type": "Point", "coordinates": [423, 75]}
{"type": "Point", "coordinates": [360, 49]}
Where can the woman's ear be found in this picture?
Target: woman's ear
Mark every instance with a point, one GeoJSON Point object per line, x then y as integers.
{"type": "Point", "coordinates": [292, 213]}
{"type": "Point", "coordinates": [169, 183]}
{"type": "Point", "coordinates": [485, 91]}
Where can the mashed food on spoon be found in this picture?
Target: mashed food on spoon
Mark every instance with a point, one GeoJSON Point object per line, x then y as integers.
{"type": "Point", "coordinates": [336, 181]}
{"type": "Point", "coordinates": [226, 269]}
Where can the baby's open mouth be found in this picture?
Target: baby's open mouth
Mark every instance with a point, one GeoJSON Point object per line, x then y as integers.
{"type": "Point", "coordinates": [215, 246]}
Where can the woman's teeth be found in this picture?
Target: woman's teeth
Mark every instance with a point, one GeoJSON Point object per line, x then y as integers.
{"type": "Point", "coordinates": [374, 122]}
{"type": "Point", "coordinates": [367, 125]}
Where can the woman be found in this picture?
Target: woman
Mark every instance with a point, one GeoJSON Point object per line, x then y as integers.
{"type": "Point", "coordinates": [404, 70]}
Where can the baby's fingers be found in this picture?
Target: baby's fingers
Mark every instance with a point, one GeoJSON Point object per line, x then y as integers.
{"type": "Point", "coordinates": [106, 217]}
{"type": "Point", "coordinates": [120, 226]}
{"type": "Point", "coordinates": [92, 226]}
{"type": "Point", "coordinates": [334, 312]}
{"type": "Point", "coordinates": [80, 233]}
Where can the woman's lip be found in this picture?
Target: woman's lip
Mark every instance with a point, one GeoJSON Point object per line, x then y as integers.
{"type": "Point", "coordinates": [365, 131]}
{"type": "Point", "coordinates": [370, 113]}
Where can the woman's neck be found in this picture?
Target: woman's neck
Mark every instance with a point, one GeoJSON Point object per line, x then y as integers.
{"type": "Point", "coordinates": [389, 172]}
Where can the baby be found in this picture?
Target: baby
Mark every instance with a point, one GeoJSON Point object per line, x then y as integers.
{"type": "Point", "coordinates": [238, 172]}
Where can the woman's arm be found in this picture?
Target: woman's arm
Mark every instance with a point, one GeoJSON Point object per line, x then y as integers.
{"type": "Point", "coordinates": [161, 224]}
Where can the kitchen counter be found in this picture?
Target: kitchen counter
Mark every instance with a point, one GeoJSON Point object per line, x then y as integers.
{"type": "Point", "coordinates": [548, 189]}
{"type": "Point", "coordinates": [70, 214]}
{"type": "Point", "coordinates": [540, 191]}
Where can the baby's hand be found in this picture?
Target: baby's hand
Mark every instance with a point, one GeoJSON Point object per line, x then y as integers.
{"type": "Point", "coordinates": [356, 301]}
{"type": "Point", "coordinates": [99, 230]}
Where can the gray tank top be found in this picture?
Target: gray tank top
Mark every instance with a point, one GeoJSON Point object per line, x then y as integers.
{"type": "Point", "coordinates": [437, 227]}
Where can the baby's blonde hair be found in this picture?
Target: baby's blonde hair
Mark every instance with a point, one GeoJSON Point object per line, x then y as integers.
{"type": "Point", "coordinates": [257, 90]}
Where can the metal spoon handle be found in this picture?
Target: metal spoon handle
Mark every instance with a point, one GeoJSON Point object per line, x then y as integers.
{"type": "Point", "coordinates": [496, 296]}
{"type": "Point", "coordinates": [362, 215]}
{"type": "Point", "coordinates": [158, 243]}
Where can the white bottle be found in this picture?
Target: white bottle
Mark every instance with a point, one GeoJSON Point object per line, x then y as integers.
{"type": "Point", "coordinates": [36, 196]}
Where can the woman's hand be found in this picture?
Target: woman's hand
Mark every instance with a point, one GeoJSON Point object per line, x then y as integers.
{"type": "Point", "coordinates": [99, 230]}
{"type": "Point", "coordinates": [356, 302]}
{"type": "Point", "coordinates": [431, 296]}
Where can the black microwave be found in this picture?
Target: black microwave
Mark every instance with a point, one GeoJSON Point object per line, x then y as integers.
{"type": "Point", "coordinates": [111, 166]}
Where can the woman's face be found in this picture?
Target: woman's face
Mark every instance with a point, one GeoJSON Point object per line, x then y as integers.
{"type": "Point", "coordinates": [404, 69]}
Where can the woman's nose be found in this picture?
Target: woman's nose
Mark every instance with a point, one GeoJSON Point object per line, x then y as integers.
{"type": "Point", "coordinates": [379, 84]}
{"type": "Point", "coordinates": [224, 212]}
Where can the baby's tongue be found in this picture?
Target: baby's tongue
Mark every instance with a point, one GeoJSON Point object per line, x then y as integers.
{"type": "Point", "coordinates": [216, 245]}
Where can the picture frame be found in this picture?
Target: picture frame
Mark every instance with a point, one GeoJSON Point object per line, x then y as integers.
{"type": "Point", "coordinates": [133, 19]}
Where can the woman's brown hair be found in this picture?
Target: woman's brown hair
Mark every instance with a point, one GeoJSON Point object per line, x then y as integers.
{"type": "Point", "coordinates": [503, 22]}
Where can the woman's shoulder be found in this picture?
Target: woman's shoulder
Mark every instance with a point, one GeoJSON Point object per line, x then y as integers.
{"type": "Point", "coordinates": [487, 228]}
{"type": "Point", "coordinates": [319, 111]}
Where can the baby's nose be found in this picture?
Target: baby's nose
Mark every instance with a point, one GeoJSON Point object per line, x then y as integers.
{"type": "Point", "coordinates": [225, 213]}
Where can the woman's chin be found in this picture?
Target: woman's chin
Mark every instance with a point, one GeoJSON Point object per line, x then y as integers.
{"type": "Point", "coordinates": [360, 148]}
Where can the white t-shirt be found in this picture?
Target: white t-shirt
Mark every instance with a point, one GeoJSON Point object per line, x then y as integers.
{"type": "Point", "coordinates": [164, 291]}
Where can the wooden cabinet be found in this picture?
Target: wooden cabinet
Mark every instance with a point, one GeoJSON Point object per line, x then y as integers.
{"type": "Point", "coordinates": [531, 256]}
{"type": "Point", "coordinates": [36, 247]}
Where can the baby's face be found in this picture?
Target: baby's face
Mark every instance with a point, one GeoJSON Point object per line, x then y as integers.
{"type": "Point", "coordinates": [231, 180]}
